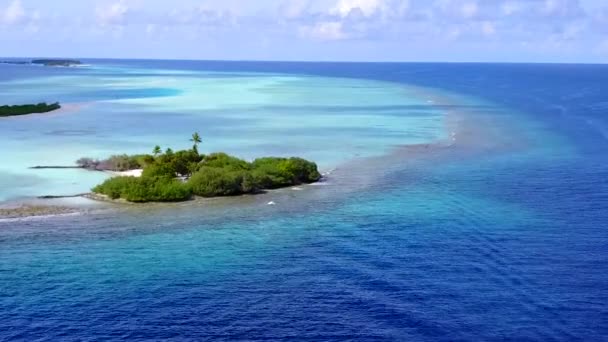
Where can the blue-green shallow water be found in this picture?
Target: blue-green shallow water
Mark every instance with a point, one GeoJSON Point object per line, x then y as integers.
{"type": "Point", "coordinates": [500, 237]}
{"type": "Point", "coordinates": [112, 109]}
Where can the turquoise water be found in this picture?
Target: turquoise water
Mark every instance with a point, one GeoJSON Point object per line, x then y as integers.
{"type": "Point", "coordinates": [113, 110]}
{"type": "Point", "coordinates": [496, 232]}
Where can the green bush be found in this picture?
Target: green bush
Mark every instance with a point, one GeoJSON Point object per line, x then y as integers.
{"type": "Point", "coordinates": [217, 174]}
{"type": "Point", "coordinates": [270, 174]}
{"type": "Point", "coordinates": [158, 190]}
{"type": "Point", "coordinates": [116, 187]}
{"type": "Point", "coordinates": [225, 161]}
{"type": "Point", "coordinates": [183, 162]}
{"type": "Point", "coordinates": [249, 184]}
{"type": "Point", "coordinates": [223, 175]}
{"type": "Point", "coordinates": [143, 160]}
{"type": "Point", "coordinates": [141, 190]}
{"type": "Point", "coordinates": [212, 182]}
{"type": "Point", "coordinates": [278, 172]}
{"type": "Point", "coordinates": [157, 170]}
{"type": "Point", "coordinates": [269, 177]}
{"type": "Point", "coordinates": [301, 170]}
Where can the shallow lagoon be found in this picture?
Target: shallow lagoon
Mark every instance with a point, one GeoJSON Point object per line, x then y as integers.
{"type": "Point", "coordinates": [126, 110]}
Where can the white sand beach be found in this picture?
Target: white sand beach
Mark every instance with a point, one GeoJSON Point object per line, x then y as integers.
{"type": "Point", "coordinates": [130, 173]}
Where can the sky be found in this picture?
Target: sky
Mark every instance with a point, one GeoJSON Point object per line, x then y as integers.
{"type": "Point", "coordinates": [573, 31]}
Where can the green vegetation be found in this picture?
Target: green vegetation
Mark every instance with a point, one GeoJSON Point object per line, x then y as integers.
{"type": "Point", "coordinates": [45, 62]}
{"type": "Point", "coordinates": [117, 163]}
{"type": "Point", "coordinates": [145, 189]}
{"type": "Point", "coordinates": [196, 139]}
{"type": "Point", "coordinates": [156, 151]}
{"type": "Point", "coordinates": [178, 176]}
{"type": "Point", "coordinates": [56, 62]}
{"type": "Point", "coordinates": [28, 109]}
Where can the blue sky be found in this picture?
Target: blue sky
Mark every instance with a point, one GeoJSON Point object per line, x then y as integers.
{"type": "Point", "coordinates": [345, 30]}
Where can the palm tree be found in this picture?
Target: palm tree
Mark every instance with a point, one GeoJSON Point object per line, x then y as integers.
{"type": "Point", "coordinates": [196, 139]}
{"type": "Point", "coordinates": [156, 150]}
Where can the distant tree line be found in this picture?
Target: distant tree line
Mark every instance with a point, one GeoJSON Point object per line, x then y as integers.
{"type": "Point", "coordinates": [45, 62]}
{"type": "Point", "coordinates": [56, 62]}
{"type": "Point", "coordinates": [42, 107]}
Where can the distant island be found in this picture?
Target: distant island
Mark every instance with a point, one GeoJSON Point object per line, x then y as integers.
{"type": "Point", "coordinates": [16, 62]}
{"type": "Point", "coordinates": [181, 175]}
{"type": "Point", "coordinates": [28, 109]}
{"type": "Point", "coordinates": [46, 62]}
{"type": "Point", "coordinates": [56, 62]}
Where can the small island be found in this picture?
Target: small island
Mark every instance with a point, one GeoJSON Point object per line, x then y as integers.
{"type": "Point", "coordinates": [16, 62]}
{"type": "Point", "coordinates": [56, 62]}
{"type": "Point", "coordinates": [181, 175]}
{"type": "Point", "coordinates": [45, 62]}
{"type": "Point", "coordinates": [28, 109]}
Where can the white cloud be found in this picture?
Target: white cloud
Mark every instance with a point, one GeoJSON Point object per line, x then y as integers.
{"type": "Point", "coordinates": [32, 28]}
{"type": "Point", "coordinates": [370, 8]}
{"type": "Point", "coordinates": [150, 29]}
{"type": "Point", "coordinates": [28, 21]}
{"type": "Point", "coordinates": [511, 7]}
{"type": "Point", "coordinates": [571, 31]}
{"type": "Point", "coordinates": [602, 47]}
{"type": "Point", "coordinates": [453, 33]}
{"type": "Point", "coordinates": [404, 7]}
{"type": "Point", "coordinates": [372, 21]}
{"type": "Point", "coordinates": [551, 6]}
{"type": "Point", "coordinates": [562, 8]}
{"type": "Point", "coordinates": [112, 14]}
{"type": "Point", "coordinates": [346, 19]}
{"type": "Point", "coordinates": [488, 28]}
{"type": "Point", "coordinates": [294, 8]}
{"type": "Point", "coordinates": [202, 16]}
{"type": "Point", "coordinates": [13, 14]}
{"type": "Point", "coordinates": [442, 4]}
{"type": "Point", "coordinates": [469, 9]}
{"type": "Point", "coordinates": [333, 30]}
{"type": "Point", "coordinates": [366, 7]}
{"type": "Point", "coordinates": [454, 9]}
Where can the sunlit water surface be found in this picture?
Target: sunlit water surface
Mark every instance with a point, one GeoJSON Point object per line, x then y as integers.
{"type": "Point", "coordinates": [491, 227]}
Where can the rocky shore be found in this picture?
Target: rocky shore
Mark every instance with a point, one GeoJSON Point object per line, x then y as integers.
{"type": "Point", "coordinates": [28, 211]}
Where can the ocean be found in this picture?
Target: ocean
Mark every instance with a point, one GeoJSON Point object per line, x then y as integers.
{"type": "Point", "coordinates": [462, 202]}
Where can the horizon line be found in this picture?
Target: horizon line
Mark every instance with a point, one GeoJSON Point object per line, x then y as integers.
{"type": "Point", "coordinates": [307, 61]}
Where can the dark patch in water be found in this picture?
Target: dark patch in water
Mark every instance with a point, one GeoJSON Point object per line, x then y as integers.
{"type": "Point", "coordinates": [71, 133]}
{"type": "Point", "coordinates": [134, 93]}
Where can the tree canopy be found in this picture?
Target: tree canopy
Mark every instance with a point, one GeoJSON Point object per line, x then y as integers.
{"type": "Point", "coordinates": [216, 174]}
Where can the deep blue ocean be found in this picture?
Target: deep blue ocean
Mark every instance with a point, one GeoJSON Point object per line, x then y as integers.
{"type": "Point", "coordinates": [502, 238]}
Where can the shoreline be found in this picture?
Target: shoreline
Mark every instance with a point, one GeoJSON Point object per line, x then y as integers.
{"type": "Point", "coordinates": [51, 205]}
